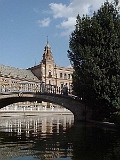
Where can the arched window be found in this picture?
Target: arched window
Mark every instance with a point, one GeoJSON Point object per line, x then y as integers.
{"type": "Point", "coordinates": [49, 75]}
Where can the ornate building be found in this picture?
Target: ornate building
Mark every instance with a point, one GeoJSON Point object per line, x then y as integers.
{"type": "Point", "coordinates": [47, 71]}
{"type": "Point", "coordinates": [13, 79]}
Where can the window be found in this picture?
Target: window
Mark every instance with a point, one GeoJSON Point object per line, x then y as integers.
{"type": "Point", "coordinates": [68, 76]}
{"type": "Point", "coordinates": [60, 75]}
{"type": "Point", "coordinates": [49, 75]}
{"type": "Point", "coordinates": [61, 85]}
{"type": "Point", "coordinates": [65, 76]}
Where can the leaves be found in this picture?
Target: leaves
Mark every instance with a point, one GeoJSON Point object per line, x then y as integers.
{"type": "Point", "coordinates": [95, 56]}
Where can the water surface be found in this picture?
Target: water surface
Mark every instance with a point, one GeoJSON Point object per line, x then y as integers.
{"type": "Point", "coordinates": [55, 138]}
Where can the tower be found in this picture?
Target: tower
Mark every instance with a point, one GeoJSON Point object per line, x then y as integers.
{"type": "Point", "coordinates": [47, 55]}
{"type": "Point", "coordinates": [49, 73]}
{"type": "Point", "coordinates": [47, 65]}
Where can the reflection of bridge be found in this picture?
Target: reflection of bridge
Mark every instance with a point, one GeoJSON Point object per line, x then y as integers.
{"type": "Point", "coordinates": [22, 92]}
{"type": "Point", "coordinates": [37, 128]}
{"type": "Point", "coordinates": [35, 124]}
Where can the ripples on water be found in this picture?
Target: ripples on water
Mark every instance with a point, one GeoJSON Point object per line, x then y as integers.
{"type": "Point", "coordinates": [55, 138]}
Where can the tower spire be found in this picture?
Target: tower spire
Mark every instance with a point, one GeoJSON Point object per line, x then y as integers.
{"type": "Point", "coordinates": [47, 41]}
{"type": "Point", "coordinates": [47, 55]}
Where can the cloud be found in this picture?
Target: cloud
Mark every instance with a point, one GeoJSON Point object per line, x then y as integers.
{"type": "Point", "coordinates": [44, 23]}
{"type": "Point", "coordinates": [67, 26]}
{"type": "Point", "coordinates": [68, 13]}
{"type": "Point", "coordinates": [60, 10]}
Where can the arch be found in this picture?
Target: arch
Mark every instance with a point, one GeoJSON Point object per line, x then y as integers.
{"type": "Point", "coordinates": [80, 111]}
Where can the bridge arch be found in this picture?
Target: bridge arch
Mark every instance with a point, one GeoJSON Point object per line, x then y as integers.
{"type": "Point", "coordinates": [79, 110]}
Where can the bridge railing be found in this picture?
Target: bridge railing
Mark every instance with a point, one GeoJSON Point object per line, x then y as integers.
{"type": "Point", "coordinates": [32, 87]}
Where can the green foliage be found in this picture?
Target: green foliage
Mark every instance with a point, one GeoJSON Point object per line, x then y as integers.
{"type": "Point", "coordinates": [116, 118]}
{"type": "Point", "coordinates": [95, 56]}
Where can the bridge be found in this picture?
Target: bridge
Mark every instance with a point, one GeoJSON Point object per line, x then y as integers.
{"type": "Point", "coordinates": [22, 92]}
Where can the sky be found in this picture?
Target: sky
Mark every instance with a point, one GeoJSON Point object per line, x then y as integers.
{"type": "Point", "coordinates": [26, 24]}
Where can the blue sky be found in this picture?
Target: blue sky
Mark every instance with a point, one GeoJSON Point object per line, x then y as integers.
{"type": "Point", "coordinates": [25, 25]}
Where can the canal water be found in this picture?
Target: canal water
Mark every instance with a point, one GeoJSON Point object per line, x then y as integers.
{"type": "Point", "coordinates": [56, 138]}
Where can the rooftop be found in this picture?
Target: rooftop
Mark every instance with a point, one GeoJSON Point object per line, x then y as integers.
{"type": "Point", "coordinates": [16, 72]}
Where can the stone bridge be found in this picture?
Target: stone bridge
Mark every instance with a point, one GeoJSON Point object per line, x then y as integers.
{"type": "Point", "coordinates": [81, 111]}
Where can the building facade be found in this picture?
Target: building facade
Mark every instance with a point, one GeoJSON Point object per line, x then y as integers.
{"type": "Point", "coordinates": [49, 73]}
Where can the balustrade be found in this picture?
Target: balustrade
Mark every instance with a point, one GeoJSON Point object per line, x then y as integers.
{"type": "Point", "coordinates": [32, 87]}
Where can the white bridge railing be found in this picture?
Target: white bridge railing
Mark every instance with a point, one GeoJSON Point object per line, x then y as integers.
{"type": "Point", "coordinates": [31, 87]}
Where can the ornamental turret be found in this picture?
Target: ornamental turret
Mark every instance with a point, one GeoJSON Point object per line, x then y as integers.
{"type": "Point", "coordinates": [47, 55]}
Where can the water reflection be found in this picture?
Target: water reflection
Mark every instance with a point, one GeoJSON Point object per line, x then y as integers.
{"type": "Point", "coordinates": [55, 138]}
{"type": "Point", "coordinates": [34, 136]}
{"type": "Point", "coordinates": [35, 124]}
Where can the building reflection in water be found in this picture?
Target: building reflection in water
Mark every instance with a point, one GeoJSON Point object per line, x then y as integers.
{"type": "Point", "coordinates": [37, 136]}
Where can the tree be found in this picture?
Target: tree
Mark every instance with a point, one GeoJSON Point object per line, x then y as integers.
{"type": "Point", "coordinates": [95, 56]}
